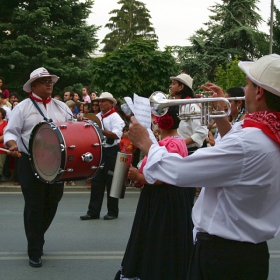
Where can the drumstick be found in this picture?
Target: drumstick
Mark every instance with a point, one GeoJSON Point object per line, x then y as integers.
{"type": "Point", "coordinates": [8, 151]}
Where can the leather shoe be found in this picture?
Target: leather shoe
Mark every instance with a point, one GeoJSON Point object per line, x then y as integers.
{"type": "Point", "coordinates": [35, 262]}
{"type": "Point", "coordinates": [108, 217]}
{"type": "Point", "coordinates": [88, 217]}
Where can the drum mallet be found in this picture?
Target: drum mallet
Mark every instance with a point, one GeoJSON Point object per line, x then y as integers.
{"type": "Point", "coordinates": [8, 151]}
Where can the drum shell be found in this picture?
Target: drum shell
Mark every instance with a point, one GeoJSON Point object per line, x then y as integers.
{"type": "Point", "coordinates": [122, 165]}
{"type": "Point", "coordinates": [57, 150]}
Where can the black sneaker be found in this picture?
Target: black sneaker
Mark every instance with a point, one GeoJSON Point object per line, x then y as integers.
{"type": "Point", "coordinates": [35, 262]}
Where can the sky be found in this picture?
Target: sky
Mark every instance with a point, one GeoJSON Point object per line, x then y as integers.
{"type": "Point", "coordinates": [174, 20]}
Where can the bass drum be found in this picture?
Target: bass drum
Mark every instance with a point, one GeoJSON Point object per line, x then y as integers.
{"type": "Point", "coordinates": [66, 151]}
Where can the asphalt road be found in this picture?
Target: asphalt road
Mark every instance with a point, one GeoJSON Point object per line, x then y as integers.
{"type": "Point", "coordinates": [75, 249]}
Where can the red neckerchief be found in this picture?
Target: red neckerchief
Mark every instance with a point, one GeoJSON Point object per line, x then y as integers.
{"type": "Point", "coordinates": [267, 121]}
{"type": "Point", "coordinates": [45, 101]}
{"type": "Point", "coordinates": [108, 113]}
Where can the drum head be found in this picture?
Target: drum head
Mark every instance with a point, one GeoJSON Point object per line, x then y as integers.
{"type": "Point", "coordinates": [46, 151]}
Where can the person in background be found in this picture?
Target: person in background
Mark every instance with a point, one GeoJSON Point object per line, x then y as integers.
{"type": "Point", "coordinates": [13, 162]}
{"type": "Point", "coordinates": [14, 97]}
{"type": "Point", "coordinates": [41, 199]}
{"type": "Point", "coordinates": [80, 107]}
{"type": "Point", "coordinates": [6, 108]}
{"type": "Point", "coordinates": [87, 108]}
{"type": "Point", "coordinates": [77, 97]}
{"type": "Point", "coordinates": [93, 95]}
{"type": "Point", "coordinates": [125, 144]}
{"type": "Point", "coordinates": [161, 239]}
{"type": "Point", "coordinates": [72, 105]}
{"type": "Point", "coordinates": [3, 154]}
{"type": "Point", "coordinates": [237, 112]}
{"type": "Point", "coordinates": [119, 110]}
{"type": "Point", "coordinates": [112, 125]}
{"type": "Point", "coordinates": [85, 92]}
{"type": "Point", "coordinates": [238, 209]}
{"type": "Point", "coordinates": [4, 91]}
{"type": "Point", "coordinates": [69, 95]}
{"type": "Point", "coordinates": [95, 107]}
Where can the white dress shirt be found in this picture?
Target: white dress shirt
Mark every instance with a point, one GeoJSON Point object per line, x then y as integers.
{"type": "Point", "coordinates": [240, 199]}
{"type": "Point", "coordinates": [25, 116]}
{"type": "Point", "coordinates": [113, 123]}
{"type": "Point", "coordinates": [192, 128]}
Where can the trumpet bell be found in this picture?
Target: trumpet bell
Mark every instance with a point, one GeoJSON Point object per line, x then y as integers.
{"type": "Point", "coordinates": [156, 100]}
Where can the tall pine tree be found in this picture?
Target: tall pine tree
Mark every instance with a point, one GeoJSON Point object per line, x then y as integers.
{"type": "Point", "coordinates": [232, 30]}
{"type": "Point", "coordinates": [49, 33]}
{"type": "Point", "coordinates": [129, 23]}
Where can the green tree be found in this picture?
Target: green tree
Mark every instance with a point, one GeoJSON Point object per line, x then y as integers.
{"type": "Point", "coordinates": [129, 23]}
{"type": "Point", "coordinates": [230, 76]}
{"type": "Point", "coordinates": [49, 33]}
{"type": "Point", "coordinates": [232, 30]}
{"type": "Point", "coordinates": [137, 68]}
{"type": "Point", "coordinates": [276, 31]}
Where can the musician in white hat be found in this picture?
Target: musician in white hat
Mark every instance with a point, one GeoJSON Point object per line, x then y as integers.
{"type": "Point", "coordinates": [239, 205]}
{"type": "Point", "coordinates": [191, 130]}
{"type": "Point", "coordinates": [41, 199]}
{"type": "Point", "coordinates": [112, 125]}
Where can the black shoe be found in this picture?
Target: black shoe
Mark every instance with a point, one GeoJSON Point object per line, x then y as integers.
{"type": "Point", "coordinates": [88, 217]}
{"type": "Point", "coordinates": [35, 262]}
{"type": "Point", "coordinates": [108, 217]}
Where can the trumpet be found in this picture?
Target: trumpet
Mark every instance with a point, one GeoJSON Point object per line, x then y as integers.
{"type": "Point", "coordinates": [159, 106]}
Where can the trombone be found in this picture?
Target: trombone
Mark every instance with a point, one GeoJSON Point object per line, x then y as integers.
{"type": "Point", "coordinates": [159, 106]}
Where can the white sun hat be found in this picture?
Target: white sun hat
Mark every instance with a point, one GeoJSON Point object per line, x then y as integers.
{"type": "Point", "coordinates": [107, 95]}
{"type": "Point", "coordinates": [265, 72]}
{"type": "Point", "coordinates": [36, 74]}
{"type": "Point", "coordinates": [185, 79]}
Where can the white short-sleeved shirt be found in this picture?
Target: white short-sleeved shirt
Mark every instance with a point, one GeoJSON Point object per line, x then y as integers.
{"type": "Point", "coordinates": [113, 123]}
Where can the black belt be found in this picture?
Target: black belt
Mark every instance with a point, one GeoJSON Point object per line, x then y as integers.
{"type": "Point", "coordinates": [204, 236]}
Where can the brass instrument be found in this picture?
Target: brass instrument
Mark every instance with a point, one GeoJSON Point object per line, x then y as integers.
{"type": "Point", "coordinates": [160, 103]}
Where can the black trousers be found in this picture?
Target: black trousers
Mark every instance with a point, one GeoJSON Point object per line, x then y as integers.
{"type": "Point", "coordinates": [216, 258]}
{"type": "Point", "coordinates": [41, 201]}
{"type": "Point", "coordinates": [98, 183]}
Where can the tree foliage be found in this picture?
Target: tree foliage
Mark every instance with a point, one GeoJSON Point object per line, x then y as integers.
{"type": "Point", "coordinates": [232, 30]}
{"type": "Point", "coordinates": [49, 33]}
{"type": "Point", "coordinates": [137, 68]}
{"type": "Point", "coordinates": [230, 76]}
{"type": "Point", "coordinates": [129, 23]}
{"type": "Point", "coordinates": [276, 31]}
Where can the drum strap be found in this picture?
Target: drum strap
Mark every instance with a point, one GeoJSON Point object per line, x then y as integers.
{"type": "Point", "coordinates": [24, 146]}
{"type": "Point", "coordinates": [40, 111]}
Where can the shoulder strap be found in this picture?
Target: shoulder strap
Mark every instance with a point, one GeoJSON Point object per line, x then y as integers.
{"type": "Point", "coordinates": [40, 111]}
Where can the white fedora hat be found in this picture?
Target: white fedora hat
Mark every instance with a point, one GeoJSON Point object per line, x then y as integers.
{"type": "Point", "coordinates": [36, 74]}
{"type": "Point", "coordinates": [265, 72]}
{"type": "Point", "coordinates": [107, 95]}
{"type": "Point", "coordinates": [185, 79]}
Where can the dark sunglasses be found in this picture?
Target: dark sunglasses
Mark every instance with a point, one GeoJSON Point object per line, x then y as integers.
{"type": "Point", "coordinates": [46, 82]}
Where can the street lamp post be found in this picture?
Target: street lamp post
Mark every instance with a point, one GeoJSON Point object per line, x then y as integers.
{"type": "Point", "coordinates": [271, 27]}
